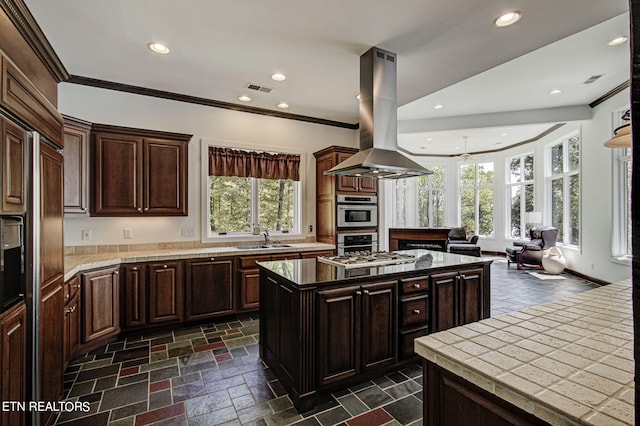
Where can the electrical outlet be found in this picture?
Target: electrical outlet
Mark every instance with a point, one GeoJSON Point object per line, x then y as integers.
{"type": "Point", "coordinates": [188, 231]}
{"type": "Point", "coordinates": [86, 234]}
{"type": "Point", "coordinates": [127, 233]}
{"type": "Point", "coordinates": [310, 228]}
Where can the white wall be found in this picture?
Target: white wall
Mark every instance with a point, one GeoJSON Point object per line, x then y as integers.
{"type": "Point", "coordinates": [593, 258]}
{"type": "Point", "coordinates": [235, 128]}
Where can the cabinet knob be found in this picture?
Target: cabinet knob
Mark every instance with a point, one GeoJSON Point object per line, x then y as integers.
{"type": "Point", "coordinates": [165, 266]}
{"type": "Point", "coordinates": [146, 209]}
{"type": "Point", "coordinates": [359, 293]}
{"type": "Point", "coordinates": [76, 286]}
{"type": "Point", "coordinates": [139, 209]}
{"type": "Point", "coordinates": [67, 296]}
{"type": "Point", "coordinates": [366, 292]}
{"type": "Point", "coordinates": [213, 258]}
{"type": "Point", "coordinates": [416, 311]}
{"type": "Point", "coordinates": [135, 268]}
{"type": "Point", "coordinates": [84, 209]}
{"type": "Point", "coordinates": [416, 286]}
{"type": "Point", "coordinates": [115, 272]}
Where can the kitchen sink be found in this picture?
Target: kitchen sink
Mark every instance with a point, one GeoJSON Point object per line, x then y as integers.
{"type": "Point", "coordinates": [262, 246]}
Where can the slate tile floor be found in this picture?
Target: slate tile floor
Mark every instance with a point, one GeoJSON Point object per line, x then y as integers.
{"type": "Point", "coordinates": [211, 374]}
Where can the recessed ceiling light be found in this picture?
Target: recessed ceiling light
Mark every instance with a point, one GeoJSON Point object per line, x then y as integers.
{"type": "Point", "coordinates": [439, 106]}
{"type": "Point", "coordinates": [503, 134]}
{"type": "Point", "coordinates": [555, 92]}
{"type": "Point", "coordinates": [244, 98]}
{"type": "Point", "coordinates": [618, 40]}
{"type": "Point", "coordinates": [283, 105]}
{"type": "Point", "coordinates": [278, 77]}
{"type": "Point", "coordinates": [158, 48]}
{"type": "Point", "coordinates": [507, 19]}
{"type": "Point", "coordinates": [423, 147]}
{"type": "Point", "coordinates": [429, 139]}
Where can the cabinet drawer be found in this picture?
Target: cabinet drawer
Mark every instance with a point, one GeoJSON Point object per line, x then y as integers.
{"type": "Point", "coordinates": [250, 261]}
{"type": "Point", "coordinates": [415, 285]}
{"type": "Point", "coordinates": [285, 256]}
{"type": "Point", "coordinates": [414, 310]}
{"type": "Point", "coordinates": [71, 288]}
{"type": "Point", "coordinates": [406, 341]}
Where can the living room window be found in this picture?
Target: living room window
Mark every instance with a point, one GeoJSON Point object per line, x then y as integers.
{"type": "Point", "coordinates": [520, 193]}
{"type": "Point", "coordinates": [250, 190]}
{"type": "Point", "coordinates": [476, 183]}
{"type": "Point", "coordinates": [563, 188]}
{"type": "Point", "coordinates": [420, 201]}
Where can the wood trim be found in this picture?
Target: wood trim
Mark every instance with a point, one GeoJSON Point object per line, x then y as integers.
{"type": "Point", "coordinates": [138, 90]}
{"type": "Point", "coordinates": [25, 23]}
{"type": "Point", "coordinates": [144, 133]}
{"type": "Point", "coordinates": [610, 94]}
{"type": "Point", "coordinates": [76, 122]}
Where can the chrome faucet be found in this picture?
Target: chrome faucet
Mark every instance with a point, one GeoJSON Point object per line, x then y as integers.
{"type": "Point", "coordinates": [267, 240]}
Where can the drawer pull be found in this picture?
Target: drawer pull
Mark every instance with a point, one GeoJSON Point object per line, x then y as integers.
{"type": "Point", "coordinates": [135, 268]}
{"type": "Point", "coordinates": [213, 258]}
{"type": "Point", "coordinates": [165, 266]}
{"type": "Point", "coordinates": [416, 285]}
{"type": "Point", "coordinates": [416, 311]}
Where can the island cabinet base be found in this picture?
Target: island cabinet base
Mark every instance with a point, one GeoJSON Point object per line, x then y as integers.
{"type": "Point", "coordinates": [452, 400]}
{"type": "Point", "coordinates": [323, 336]}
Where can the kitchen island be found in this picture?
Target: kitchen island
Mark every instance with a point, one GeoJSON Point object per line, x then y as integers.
{"type": "Point", "coordinates": [324, 327]}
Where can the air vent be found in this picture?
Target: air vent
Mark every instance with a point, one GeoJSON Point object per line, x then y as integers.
{"type": "Point", "coordinates": [592, 79]}
{"type": "Point", "coordinates": [259, 88]}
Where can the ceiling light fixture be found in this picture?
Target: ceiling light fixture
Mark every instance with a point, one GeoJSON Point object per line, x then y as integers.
{"type": "Point", "coordinates": [617, 41]}
{"type": "Point", "coordinates": [158, 48]}
{"type": "Point", "coordinates": [555, 92]}
{"type": "Point", "coordinates": [278, 77]}
{"type": "Point", "coordinates": [244, 98]}
{"type": "Point", "coordinates": [622, 135]}
{"type": "Point", "coordinates": [439, 106]}
{"type": "Point", "coordinates": [283, 105]}
{"type": "Point", "coordinates": [507, 19]}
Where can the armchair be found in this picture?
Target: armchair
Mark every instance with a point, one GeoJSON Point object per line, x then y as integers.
{"type": "Point", "coordinates": [459, 236]}
{"type": "Point", "coordinates": [529, 253]}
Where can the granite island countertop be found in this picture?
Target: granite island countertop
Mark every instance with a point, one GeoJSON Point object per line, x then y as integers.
{"type": "Point", "coordinates": [78, 263]}
{"type": "Point", "coordinates": [568, 362]}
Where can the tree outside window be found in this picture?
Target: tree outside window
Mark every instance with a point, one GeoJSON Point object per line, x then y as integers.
{"type": "Point", "coordinates": [420, 201]}
{"type": "Point", "coordinates": [476, 197]}
{"type": "Point", "coordinates": [520, 193]}
{"type": "Point", "coordinates": [563, 182]}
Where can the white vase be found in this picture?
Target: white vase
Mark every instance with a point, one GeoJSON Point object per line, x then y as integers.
{"type": "Point", "coordinates": [552, 261]}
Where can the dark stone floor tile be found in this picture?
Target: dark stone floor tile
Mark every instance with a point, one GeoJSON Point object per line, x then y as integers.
{"type": "Point", "coordinates": [216, 417]}
{"type": "Point", "coordinates": [129, 410]}
{"type": "Point", "coordinates": [162, 340]}
{"type": "Point", "coordinates": [324, 403]}
{"type": "Point", "coordinates": [397, 377]}
{"type": "Point", "coordinates": [138, 344]}
{"type": "Point", "coordinates": [208, 365]}
{"type": "Point", "coordinates": [68, 416]}
{"type": "Point", "coordinates": [403, 389]}
{"type": "Point", "coordinates": [135, 378]}
{"type": "Point", "coordinates": [180, 420]}
{"type": "Point", "coordinates": [163, 373]}
{"type": "Point", "coordinates": [207, 403]}
{"type": "Point", "coordinates": [91, 398]}
{"type": "Point", "coordinates": [311, 421]}
{"type": "Point", "coordinates": [361, 386]}
{"type": "Point", "coordinates": [353, 405]}
{"type": "Point", "coordinates": [262, 393]}
{"type": "Point", "coordinates": [129, 354]}
{"type": "Point", "coordinates": [186, 331]}
{"type": "Point", "coordinates": [333, 416]}
{"type": "Point", "coordinates": [374, 397]}
{"type": "Point", "coordinates": [283, 418]}
{"type": "Point", "coordinates": [195, 358]}
{"type": "Point", "coordinates": [160, 399]}
{"type": "Point", "coordinates": [239, 352]}
{"type": "Point", "coordinates": [186, 379]}
{"type": "Point", "coordinates": [125, 395]}
{"type": "Point", "coordinates": [97, 373]}
{"type": "Point", "coordinates": [185, 392]}
{"type": "Point", "coordinates": [83, 388]}
{"type": "Point", "coordinates": [277, 388]}
{"type": "Point", "coordinates": [180, 351]}
{"type": "Point", "coordinates": [243, 401]}
{"type": "Point", "coordinates": [101, 419]}
{"type": "Point", "coordinates": [218, 385]}
{"type": "Point", "coordinates": [134, 362]}
{"type": "Point", "coordinates": [405, 410]}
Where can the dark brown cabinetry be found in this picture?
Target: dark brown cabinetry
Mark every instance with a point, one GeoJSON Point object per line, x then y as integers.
{"type": "Point", "coordinates": [413, 313]}
{"type": "Point", "coordinates": [138, 172]}
{"type": "Point", "coordinates": [356, 330]}
{"type": "Point", "coordinates": [166, 292]}
{"type": "Point", "coordinates": [71, 329]}
{"type": "Point", "coordinates": [133, 298]}
{"type": "Point", "coordinates": [100, 304]}
{"type": "Point", "coordinates": [76, 148]}
{"type": "Point", "coordinates": [13, 362]}
{"type": "Point", "coordinates": [52, 341]}
{"type": "Point", "coordinates": [457, 298]}
{"type": "Point", "coordinates": [14, 172]}
{"type": "Point", "coordinates": [209, 288]}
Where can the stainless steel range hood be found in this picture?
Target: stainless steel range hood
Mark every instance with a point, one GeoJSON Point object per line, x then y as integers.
{"type": "Point", "coordinates": [378, 156]}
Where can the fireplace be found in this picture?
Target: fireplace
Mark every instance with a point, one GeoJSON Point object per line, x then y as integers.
{"type": "Point", "coordinates": [418, 238]}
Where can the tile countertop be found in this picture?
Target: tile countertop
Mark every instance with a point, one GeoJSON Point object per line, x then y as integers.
{"type": "Point", "coordinates": [78, 263]}
{"type": "Point", "coordinates": [567, 362]}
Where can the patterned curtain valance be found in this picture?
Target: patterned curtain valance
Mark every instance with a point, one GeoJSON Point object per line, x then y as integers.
{"type": "Point", "coordinates": [235, 162]}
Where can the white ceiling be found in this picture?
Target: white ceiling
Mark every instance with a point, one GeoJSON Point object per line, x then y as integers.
{"type": "Point", "coordinates": [448, 52]}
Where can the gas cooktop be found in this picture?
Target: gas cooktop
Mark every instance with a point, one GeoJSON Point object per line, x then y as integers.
{"type": "Point", "coordinates": [363, 259]}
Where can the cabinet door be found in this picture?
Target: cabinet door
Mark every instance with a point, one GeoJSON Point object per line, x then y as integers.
{"type": "Point", "coordinates": [249, 289]}
{"type": "Point", "coordinates": [76, 145]}
{"type": "Point", "coordinates": [379, 324]}
{"type": "Point", "coordinates": [346, 183]}
{"type": "Point", "coordinates": [52, 341]}
{"type": "Point", "coordinates": [117, 175]}
{"type": "Point", "coordinates": [209, 287]}
{"type": "Point", "coordinates": [72, 329]}
{"type": "Point", "coordinates": [338, 334]}
{"type": "Point", "coordinates": [133, 295]}
{"type": "Point", "coordinates": [14, 157]}
{"type": "Point", "coordinates": [444, 308]}
{"type": "Point", "coordinates": [368, 185]}
{"type": "Point", "coordinates": [13, 363]}
{"type": "Point", "coordinates": [165, 177]}
{"type": "Point", "coordinates": [166, 292]}
{"type": "Point", "coordinates": [470, 296]}
{"type": "Point", "coordinates": [100, 304]}
{"type": "Point", "coordinates": [325, 184]}
{"type": "Point", "coordinates": [51, 216]}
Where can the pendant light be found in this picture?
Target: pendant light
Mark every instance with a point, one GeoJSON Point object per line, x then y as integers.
{"type": "Point", "coordinates": [622, 135]}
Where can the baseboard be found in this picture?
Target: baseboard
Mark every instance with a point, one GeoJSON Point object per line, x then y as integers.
{"type": "Point", "coordinates": [587, 277]}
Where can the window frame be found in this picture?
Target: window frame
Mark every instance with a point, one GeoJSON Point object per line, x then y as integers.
{"type": "Point", "coordinates": [621, 201]}
{"type": "Point", "coordinates": [564, 237]}
{"type": "Point", "coordinates": [410, 206]}
{"type": "Point", "coordinates": [522, 183]}
{"type": "Point", "coordinates": [296, 233]}
{"type": "Point", "coordinates": [477, 188]}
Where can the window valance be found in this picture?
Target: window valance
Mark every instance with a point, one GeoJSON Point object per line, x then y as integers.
{"type": "Point", "coordinates": [263, 165]}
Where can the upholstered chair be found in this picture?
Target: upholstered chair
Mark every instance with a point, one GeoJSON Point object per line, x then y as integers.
{"type": "Point", "coordinates": [459, 236]}
{"type": "Point", "coordinates": [528, 254]}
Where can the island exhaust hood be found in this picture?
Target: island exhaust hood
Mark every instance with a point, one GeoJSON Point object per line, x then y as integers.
{"type": "Point", "coordinates": [378, 156]}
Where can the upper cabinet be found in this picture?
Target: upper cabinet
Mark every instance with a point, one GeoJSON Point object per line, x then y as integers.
{"type": "Point", "coordinates": [138, 172]}
{"type": "Point", "coordinates": [329, 185]}
{"type": "Point", "coordinates": [76, 148]}
{"type": "Point", "coordinates": [14, 160]}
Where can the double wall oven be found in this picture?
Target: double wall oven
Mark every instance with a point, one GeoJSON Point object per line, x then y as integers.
{"type": "Point", "coordinates": [357, 223]}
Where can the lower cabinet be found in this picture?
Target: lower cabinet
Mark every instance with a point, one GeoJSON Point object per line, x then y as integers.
{"type": "Point", "coordinates": [209, 287]}
{"type": "Point", "coordinates": [413, 313]}
{"type": "Point", "coordinates": [13, 358]}
{"type": "Point", "coordinates": [71, 329]}
{"type": "Point", "coordinates": [166, 292]}
{"type": "Point", "coordinates": [357, 330]}
{"type": "Point", "coordinates": [249, 282]}
{"type": "Point", "coordinates": [456, 298]}
{"type": "Point", "coordinates": [100, 304]}
{"type": "Point", "coordinates": [52, 341]}
{"type": "Point", "coordinates": [133, 299]}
